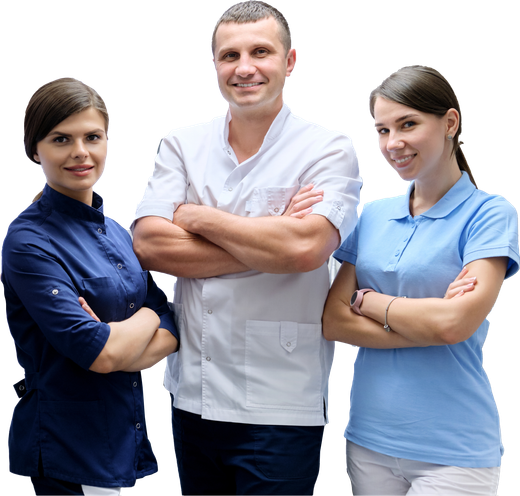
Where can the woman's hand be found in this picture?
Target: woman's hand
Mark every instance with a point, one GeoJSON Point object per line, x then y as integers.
{"type": "Point", "coordinates": [461, 285]}
{"type": "Point", "coordinates": [87, 309]}
{"type": "Point", "coordinates": [302, 202]}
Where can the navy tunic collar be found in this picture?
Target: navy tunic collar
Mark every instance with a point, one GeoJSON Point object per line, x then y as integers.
{"type": "Point", "coordinates": [53, 200]}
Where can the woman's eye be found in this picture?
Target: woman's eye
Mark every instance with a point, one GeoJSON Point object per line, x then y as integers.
{"type": "Point", "coordinates": [382, 130]}
{"type": "Point", "coordinates": [93, 137]}
{"type": "Point", "coordinates": [60, 139]}
{"type": "Point", "coordinates": [409, 124]}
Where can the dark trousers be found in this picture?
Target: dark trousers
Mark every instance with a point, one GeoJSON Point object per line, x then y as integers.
{"type": "Point", "coordinates": [230, 458]}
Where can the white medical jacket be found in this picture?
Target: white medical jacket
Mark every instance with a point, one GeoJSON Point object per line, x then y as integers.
{"type": "Point", "coordinates": [252, 349]}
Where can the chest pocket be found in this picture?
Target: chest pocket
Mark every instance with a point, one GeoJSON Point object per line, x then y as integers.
{"type": "Point", "coordinates": [269, 201]}
{"type": "Point", "coordinates": [102, 296]}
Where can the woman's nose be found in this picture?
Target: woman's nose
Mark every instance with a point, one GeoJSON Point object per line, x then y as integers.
{"type": "Point", "coordinates": [79, 150]}
{"type": "Point", "coordinates": [394, 143]}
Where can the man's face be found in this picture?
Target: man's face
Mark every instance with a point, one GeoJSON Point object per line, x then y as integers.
{"type": "Point", "coordinates": [252, 64]}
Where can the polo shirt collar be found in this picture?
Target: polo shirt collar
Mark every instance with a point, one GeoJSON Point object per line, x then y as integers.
{"type": "Point", "coordinates": [53, 200]}
{"type": "Point", "coordinates": [459, 193]}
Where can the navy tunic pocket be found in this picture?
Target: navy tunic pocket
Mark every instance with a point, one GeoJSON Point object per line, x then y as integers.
{"type": "Point", "coordinates": [102, 296]}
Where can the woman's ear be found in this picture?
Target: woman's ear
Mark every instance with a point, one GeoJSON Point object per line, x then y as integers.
{"type": "Point", "coordinates": [452, 121]}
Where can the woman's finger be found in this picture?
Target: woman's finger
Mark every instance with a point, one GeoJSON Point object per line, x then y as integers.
{"type": "Point", "coordinates": [87, 308]}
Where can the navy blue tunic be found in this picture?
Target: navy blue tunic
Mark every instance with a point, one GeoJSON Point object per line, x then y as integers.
{"type": "Point", "coordinates": [88, 428]}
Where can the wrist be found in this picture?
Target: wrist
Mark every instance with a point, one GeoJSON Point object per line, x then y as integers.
{"type": "Point", "coordinates": [357, 298]}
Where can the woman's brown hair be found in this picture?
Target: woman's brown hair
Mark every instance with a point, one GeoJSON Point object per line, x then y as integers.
{"type": "Point", "coordinates": [424, 89]}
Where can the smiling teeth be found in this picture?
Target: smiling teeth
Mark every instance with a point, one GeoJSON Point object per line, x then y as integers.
{"type": "Point", "coordinates": [401, 160]}
{"type": "Point", "coordinates": [247, 85]}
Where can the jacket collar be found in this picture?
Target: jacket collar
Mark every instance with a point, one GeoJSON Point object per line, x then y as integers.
{"type": "Point", "coordinates": [274, 130]}
{"type": "Point", "coordinates": [53, 200]}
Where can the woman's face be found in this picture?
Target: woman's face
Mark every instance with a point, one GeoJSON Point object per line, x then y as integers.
{"type": "Point", "coordinates": [73, 154]}
{"type": "Point", "coordinates": [414, 143]}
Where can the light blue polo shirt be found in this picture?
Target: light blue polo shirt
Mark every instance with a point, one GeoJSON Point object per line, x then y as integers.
{"type": "Point", "coordinates": [430, 404]}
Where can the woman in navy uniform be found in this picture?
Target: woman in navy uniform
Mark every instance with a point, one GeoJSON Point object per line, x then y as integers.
{"type": "Point", "coordinates": [84, 316]}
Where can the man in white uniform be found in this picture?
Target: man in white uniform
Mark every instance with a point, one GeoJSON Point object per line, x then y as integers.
{"type": "Point", "coordinates": [230, 212]}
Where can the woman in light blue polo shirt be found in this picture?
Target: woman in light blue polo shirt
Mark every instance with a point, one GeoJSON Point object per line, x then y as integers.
{"type": "Point", "coordinates": [421, 273]}
{"type": "Point", "coordinates": [79, 426]}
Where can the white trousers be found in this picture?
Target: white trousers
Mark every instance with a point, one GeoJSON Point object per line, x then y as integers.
{"type": "Point", "coordinates": [100, 491]}
{"type": "Point", "coordinates": [372, 473]}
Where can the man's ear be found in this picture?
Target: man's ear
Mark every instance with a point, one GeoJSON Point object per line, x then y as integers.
{"type": "Point", "coordinates": [291, 61]}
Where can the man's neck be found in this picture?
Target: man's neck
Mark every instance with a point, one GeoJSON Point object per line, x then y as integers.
{"type": "Point", "coordinates": [247, 131]}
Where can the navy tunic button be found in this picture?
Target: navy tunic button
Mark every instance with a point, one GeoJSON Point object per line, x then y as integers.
{"type": "Point", "coordinates": [100, 230]}
{"type": "Point", "coordinates": [119, 266]}
{"type": "Point", "coordinates": [135, 384]}
{"type": "Point", "coordinates": [138, 426]}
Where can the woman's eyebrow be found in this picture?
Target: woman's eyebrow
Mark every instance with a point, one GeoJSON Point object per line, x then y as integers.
{"type": "Point", "coordinates": [404, 117]}
{"type": "Point", "coordinates": [59, 133]}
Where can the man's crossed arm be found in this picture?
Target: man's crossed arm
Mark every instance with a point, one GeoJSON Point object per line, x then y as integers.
{"type": "Point", "coordinates": [205, 242]}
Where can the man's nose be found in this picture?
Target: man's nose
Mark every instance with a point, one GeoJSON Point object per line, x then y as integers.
{"type": "Point", "coordinates": [245, 67]}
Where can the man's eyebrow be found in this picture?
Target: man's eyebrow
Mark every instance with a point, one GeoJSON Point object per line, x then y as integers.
{"type": "Point", "coordinates": [404, 117]}
{"type": "Point", "coordinates": [259, 44]}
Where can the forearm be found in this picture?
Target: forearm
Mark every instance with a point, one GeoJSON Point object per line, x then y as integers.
{"type": "Point", "coordinates": [269, 244]}
{"type": "Point", "coordinates": [439, 321]}
{"type": "Point", "coordinates": [423, 320]}
{"type": "Point", "coordinates": [162, 344]}
{"type": "Point", "coordinates": [127, 341]}
{"type": "Point", "coordinates": [165, 247]}
{"type": "Point", "coordinates": [340, 323]}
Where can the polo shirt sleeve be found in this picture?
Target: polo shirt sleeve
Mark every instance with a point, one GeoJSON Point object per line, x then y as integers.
{"type": "Point", "coordinates": [336, 172]}
{"type": "Point", "coordinates": [493, 232]}
{"type": "Point", "coordinates": [167, 187]}
{"type": "Point", "coordinates": [32, 273]}
{"type": "Point", "coordinates": [347, 252]}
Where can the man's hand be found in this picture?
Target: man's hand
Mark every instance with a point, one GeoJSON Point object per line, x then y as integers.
{"type": "Point", "coordinates": [300, 206]}
{"type": "Point", "coordinates": [186, 215]}
{"type": "Point", "coordinates": [302, 202]}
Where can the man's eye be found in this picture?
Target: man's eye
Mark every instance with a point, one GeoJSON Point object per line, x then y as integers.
{"type": "Point", "coordinates": [230, 56]}
{"type": "Point", "coordinates": [93, 137]}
